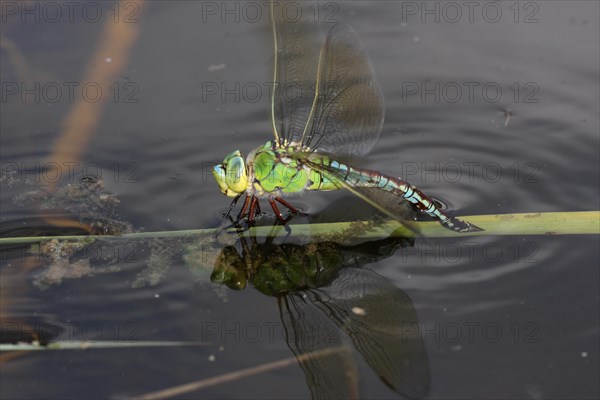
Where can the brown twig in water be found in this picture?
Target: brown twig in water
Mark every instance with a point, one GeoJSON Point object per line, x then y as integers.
{"type": "Point", "coordinates": [116, 41]}
{"type": "Point", "coordinates": [233, 376]}
{"type": "Point", "coordinates": [507, 115]}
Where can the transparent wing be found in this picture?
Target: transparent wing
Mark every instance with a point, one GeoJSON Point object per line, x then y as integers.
{"type": "Point", "coordinates": [326, 98]}
{"type": "Point", "coordinates": [327, 361]}
{"type": "Point", "coordinates": [297, 41]}
{"type": "Point", "coordinates": [382, 323]}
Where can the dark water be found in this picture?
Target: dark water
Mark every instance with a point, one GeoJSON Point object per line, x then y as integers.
{"type": "Point", "coordinates": [502, 317]}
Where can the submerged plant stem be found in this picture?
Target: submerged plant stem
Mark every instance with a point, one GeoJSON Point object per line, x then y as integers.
{"type": "Point", "coordinates": [236, 375]}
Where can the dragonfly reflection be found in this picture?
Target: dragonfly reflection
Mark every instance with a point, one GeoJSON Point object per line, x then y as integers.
{"type": "Point", "coordinates": [328, 299]}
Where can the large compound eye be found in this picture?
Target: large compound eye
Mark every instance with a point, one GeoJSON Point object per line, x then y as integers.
{"type": "Point", "coordinates": [235, 177]}
{"type": "Point", "coordinates": [229, 269]}
{"type": "Point", "coordinates": [231, 174]}
{"type": "Point", "coordinates": [220, 174]}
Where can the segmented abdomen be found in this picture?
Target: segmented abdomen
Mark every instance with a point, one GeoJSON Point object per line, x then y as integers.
{"type": "Point", "coordinates": [365, 178]}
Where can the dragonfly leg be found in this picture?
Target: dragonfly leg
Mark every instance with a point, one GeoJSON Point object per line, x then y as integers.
{"type": "Point", "coordinates": [258, 210]}
{"type": "Point", "coordinates": [287, 205]}
{"type": "Point", "coordinates": [276, 209]}
{"type": "Point", "coordinates": [233, 203]}
{"type": "Point", "coordinates": [252, 212]}
{"type": "Point", "coordinates": [242, 212]}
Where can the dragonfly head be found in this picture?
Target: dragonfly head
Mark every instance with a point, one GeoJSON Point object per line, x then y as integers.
{"type": "Point", "coordinates": [231, 174]}
{"type": "Point", "coordinates": [230, 269]}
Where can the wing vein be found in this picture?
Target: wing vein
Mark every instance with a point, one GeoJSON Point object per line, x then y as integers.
{"type": "Point", "coordinates": [317, 91]}
{"type": "Point", "coordinates": [275, 74]}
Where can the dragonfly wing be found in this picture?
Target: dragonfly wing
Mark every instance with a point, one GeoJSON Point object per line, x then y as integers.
{"type": "Point", "coordinates": [297, 43]}
{"type": "Point", "coordinates": [382, 323]}
{"type": "Point", "coordinates": [327, 362]}
{"type": "Point", "coordinates": [349, 110]}
{"type": "Point", "coordinates": [326, 97]}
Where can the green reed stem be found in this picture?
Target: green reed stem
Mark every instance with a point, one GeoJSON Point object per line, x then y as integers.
{"type": "Point", "coordinates": [549, 223]}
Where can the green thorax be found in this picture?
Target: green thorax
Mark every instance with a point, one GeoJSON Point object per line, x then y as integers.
{"type": "Point", "coordinates": [276, 269]}
{"type": "Point", "coordinates": [281, 169]}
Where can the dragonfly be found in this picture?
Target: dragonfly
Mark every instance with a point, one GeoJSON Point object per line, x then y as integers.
{"type": "Point", "coordinates": [326, 107]}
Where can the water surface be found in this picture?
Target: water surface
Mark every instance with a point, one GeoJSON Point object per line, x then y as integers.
{"type": "Point", "coordinates": [487, 116]}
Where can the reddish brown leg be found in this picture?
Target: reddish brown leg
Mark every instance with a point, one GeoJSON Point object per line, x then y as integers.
{"type": "Point", "coordinates": [276, 209]}
{"type": "Point", "coordinates": [244, 207]}
{"type": "Point", "coordinates": [258, 210]}
{"type": "Point", "coordinates": [286, 204]}
{"type": "Point", "coordinates": [252, 212]}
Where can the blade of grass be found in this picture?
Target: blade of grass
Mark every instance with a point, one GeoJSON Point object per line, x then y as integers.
{"type": "Point", "coordinates": [549, 223]}
{"type": "Point", "coordinates": [79, 345]}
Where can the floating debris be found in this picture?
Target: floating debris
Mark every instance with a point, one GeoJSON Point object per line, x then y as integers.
{"type": "Point", "coordinates": [214, 67]}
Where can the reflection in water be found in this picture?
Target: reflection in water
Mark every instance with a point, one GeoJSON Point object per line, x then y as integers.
{"type": "Point", "coordinates": [81, 207]}
{"type": "Point", "coordinates": [329, 303]}
{"type": "Point", "coordinates": [322, 291]}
